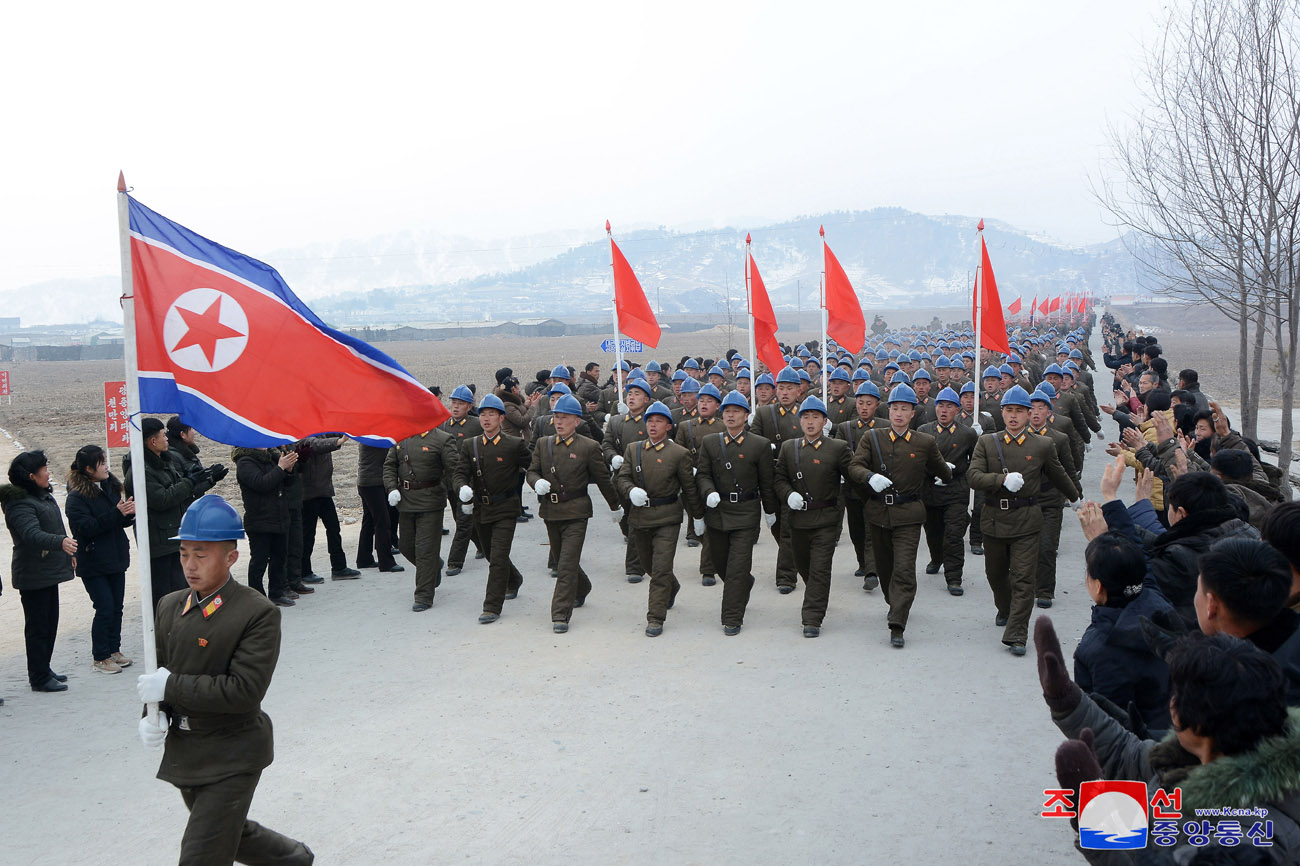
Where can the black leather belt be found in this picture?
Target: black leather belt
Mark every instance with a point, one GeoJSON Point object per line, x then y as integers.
{"type": "Point", "coordinates": [743, 497]}
{"type": "Point", "coordinates": [418, 485]}
{"type": "Point", "coordinates": [496, 500]}
{"type": "Point", "coordinates": [565, 497]}
{"type": "Point", "coordinates": [1013, 504]}
{"type": "Point", "coordinates": [662, 500]}
{"type": "Point", "coordinates": [814, 504]}
{"type": "Point", "coordinates": [898, 498]}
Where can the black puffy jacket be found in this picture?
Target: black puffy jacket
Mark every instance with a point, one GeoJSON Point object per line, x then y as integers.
{"type": "Point", "coordinates": [263, 485]}
{"type": "Point", "coordinates": [97, 525]}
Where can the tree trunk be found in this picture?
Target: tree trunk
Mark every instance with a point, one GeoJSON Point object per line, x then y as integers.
{"type": "Point", "coordinates": [1250, 424]}
{"type": "Point", "coordinates": [1243, 350]}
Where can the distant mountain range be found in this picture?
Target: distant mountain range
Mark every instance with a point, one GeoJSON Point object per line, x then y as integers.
{"type": "Point", "coordinates": [894, 257]}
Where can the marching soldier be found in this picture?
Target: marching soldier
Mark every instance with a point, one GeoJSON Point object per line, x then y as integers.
{"type": "Point", "coordinates": [744, 382]}
{"type": "Point", "coordinates": [414, 474]}
{"type": "Point", "coordinates": [991, 398]}
{"type": "Point", "coordinates": [656, 477]}
{"type": "Point", "coordinates": [544, 424]}
{"type": "Point", "coordinates": [1067, 405]}
{"type": "Point", "coordinates": [1066, 426]}
{"type": "Point", "coordinates": [736, 481]}
{"type": "Point", "coordinates": [486, 479]}
{"type": "Point", "coordinates": [1050, 499]}
{"type": "Point", "coordinates": [778, 422]}
{"type": "Point", "coordinates": [921, 383]}
{"type": "Point", "coordinates": [687, 401]}
{"type": "Point", "coordinates": [1009, 466]}
{"type": "Point", "coordinates": [624, 430]}
{"type": "Point", "coordinates": [808, 475]}
{"type": "Point", "coordinates": [946, 515]}
{"type": "Point", "coordinates": [562, 467]}
{"type": "Point", "coordinates": [689, 435]}
{"type": "Point", "coordinates": [218, 642]}
{"type": "Point", "coordinates": [764, 391]}
{"type": "Point", "coordinates": [840, 407]}
{"type": "Point", "coordinates": [462, 426]}
{"type": "Point", "coordinates": [658, 390]}
{"type": "Point", "coordinates": [851, 432]}
{"type": "Point", "coordinates": [894, 465]}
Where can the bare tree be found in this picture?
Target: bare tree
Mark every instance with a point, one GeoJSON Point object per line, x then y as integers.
{"type": "Point", "coordinates": [1206, 180]}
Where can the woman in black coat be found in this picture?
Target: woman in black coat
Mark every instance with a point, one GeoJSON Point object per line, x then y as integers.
{"type": "Point", "coordinates": [42, 559]}
{"type": "Point", "coordinates": [98, 517]}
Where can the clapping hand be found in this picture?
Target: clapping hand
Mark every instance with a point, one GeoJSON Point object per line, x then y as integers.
{"type": "Point", "coordinates": [1111, 476]}
{"type": "Point", "coordinates": [1146, 481]}
{"type": "Point", "coordinates": [127, 506]}
{"type": "Point", "coordinates": [1091, 520]}
{"type": "Point", "coordinates": [1133, 438]}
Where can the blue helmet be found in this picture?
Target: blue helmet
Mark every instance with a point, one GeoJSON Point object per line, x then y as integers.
{"type": "Point", "coordinates": [690, 386]}
{"type": "Point", "coordinates": [914, 356]}
{"type": "Point", "coordinates": [643, 385]}
{"type": "Point", "coordinates": [948, 395]}
{"type": "Point", "coordinates": [492, 401]}
{"type": "Point", "coordinates": [942, 363]}
{"type": "Point", "coordinates": [744, 373]}
{"type": "Point", "coordinates": [561, 372]}
{"type": "Point", "coordinates": [1015, 359]}
{"type": "Point", "coordinates": [210, 518]}
{"type": "Point", "coordinates": [1015, 396]}
{"type": "Point", "coordinates": [861, 375]}
{"type": "Point", "coordinates": [1040, 396]}
{"type": "Point", "coordinates": [711, 390]}
{"type": "Point", "coordinates": [715, 370]}
{"type": "Point", "coordinates": [658, 408]}
{"type": "Point", "coordinates": [804, 353]}
{"type": "Point", "coordinates": [991, 372]}
{"type": "Point", "coordinates": [653, 367]}
{"type": "Point", "coordinates": [900, 378]}
{"type": "Point", "coordinates": [922, 374]}
{"type": "Point", "coordinates": [735, 398]}
{"type": "Point", "coordinates": [804, 376]}
{"type": "Point", "coordinates": [968, 388]}
{"type": "Point", "coordinates": [787, 376]}
{"type": "Point", "coordinates": [1053, 370]}
{"type": "Point", "coordinates": [691, 364]}
{"type": "Point", "coordinates": [867, 389]}
{"type": "Point", "coordinates": [567, 405]}
{"type": "Point", "coordinates": [812, 404]}
{"type": "Point", "coordinates": [624, 365]}
{"type": "Point", "coordinates": [890, 366]}
{"type": "Point", "coordinates": [795, 364]}
{"type": "Point", "coordinates": [638, 373]}
{"type": "Point", "coordinates": [765, 379]}
{"type": "Point", "coordinates": [463, 394]}
{"type": "Point", "coordinates": [902, 394]}
{"type": "Point", "coordinates": [559, 388]}
{"type": "Point", "coordinates": [1047, 388]}
{"type": "Point", "coordinates": [839, 374]}
{"type": "Point", "coordinates": [680, 376]}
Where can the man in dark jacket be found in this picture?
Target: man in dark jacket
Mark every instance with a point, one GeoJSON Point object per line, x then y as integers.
{"type": "Point", "coordinates": [263, 475]}
{"type": "Point", "coordinates": [182, 444]}
{"type": "Point", "coordinates": [375, 544]}
{"type": "Point", "coordinates": [316, 456]}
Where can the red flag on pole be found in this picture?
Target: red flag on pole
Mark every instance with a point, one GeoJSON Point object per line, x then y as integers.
{"type": "Point", "coordinates": [845, 323]}
{"type": "Point", "coordinates": [993, 326]}
{"type": "Point", "coordinates": [635, 318]}
{"type": "Point", "coordinates": [1015, 307]}
{"type": "Point", "coordinates": [1042, 308]}
{"type": "Point", "coordinates": [765, 343]}
{"type": "Point", "coordinates": [1055, 305]}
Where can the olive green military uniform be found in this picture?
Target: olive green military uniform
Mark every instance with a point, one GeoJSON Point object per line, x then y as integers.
{"type": "Point", "coordinates": [1053, 504]}
{"type": "Point", "coordinates": [569, 465]}
{"type": "Point", "coordinates": [741, 472]}
{"type": "Point", "coordinates": [689, 434]}
{"type": "Point", "coordinates": [622, 431]}
{"type": "Point", "coordinates": [1069, 404]}
{"type": "Point", "coordinates": [895, 517]}
{"type": "Point", "coordinates": [777, 425]}
{"type": "Point", "coordinates": [851, 432]}
{"type": "Point", "coordinates": [466, 428]}
{"type": "Point", "coordinates": [977, 506]}
{"type": "Point", "coordinates": [814, 470]}
{"type": "Point", "coordinates": [1077, 443]}
{"type": "Point", "coordinates": [841, 409]}
{"type": "Point", "coordinates": [544, 425]}
{"type": "Point", "coordinates": [491, 467]}
{"type": "Point", "coordinates": [681, 414]}
{"type": "Point", "coordinates": [924, 413]}
{"type": "Point", "coordinates": [992, 406]}
{"type": "Point", "coordinates": [947, 506]}
{"type": "Point", "coordinates": [663, 471]}
{"type": "Point", "coordinates": [1013, 521]}
{"type": "Point", "coordinates": [417, 467]}
{"type": "Point", "coordinates": [221, 652]}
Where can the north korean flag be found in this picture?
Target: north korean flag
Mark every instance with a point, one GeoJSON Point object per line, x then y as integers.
{"type": "Point", "coordinates": [223, 342]}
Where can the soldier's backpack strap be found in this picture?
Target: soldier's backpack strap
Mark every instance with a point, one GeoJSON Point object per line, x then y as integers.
{"type": "Point", "coordinates": [550, 459]}
{"type": "Point", "coordinates": [998, 444]}
{"type": "Point", "coordinates": [798, 472]}
{"type": "Point", "coordinates": [776, 428]}
{"type": "Point", "coordinates": [478, 466]}
{"type": "Point", "coordinates": [880, 455]}
{"type": "Point", "coordinates": [726, 462]}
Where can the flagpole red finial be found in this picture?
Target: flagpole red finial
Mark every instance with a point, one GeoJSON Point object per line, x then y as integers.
{"type": "Point", "coordinates": [607, 231]}
{"type": "Point", "coordinates": [747, 237]}
{"type": "Point", "coordinates": [980, 227]}
{"type": "Point", "coordinates": [821, 230]}
{"type": "Point", "coordinates": [121, 182]}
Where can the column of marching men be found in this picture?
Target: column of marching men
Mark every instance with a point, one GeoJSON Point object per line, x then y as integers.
{"type": "Point", "coordinates": [914, 440]}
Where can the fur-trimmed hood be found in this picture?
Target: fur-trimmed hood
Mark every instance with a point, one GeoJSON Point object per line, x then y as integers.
{"type": "Point", "coordinates": [11, 493]}
{"type": "Point", "coordinates": [261, 455]}
{"type": "Point", "coordinates": [78, 483]}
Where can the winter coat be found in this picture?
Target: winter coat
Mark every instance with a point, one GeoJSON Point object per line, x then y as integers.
{"type": "Point", "coordinates": [1113, 658]}
{"type": "Point", "coordinates": [370, 465]}
{"type": "Point", "coordinates": [316, 460]}
{"type": "Point", "coordinates": [167, 494]}
{"type": "Point", "coordinates": [97, 525]}
{"type": "Point", "coordinates": [262, 486]}
{"type": "Point", "coordinates": [188, 455]}
{"type": "Point", "coordinates": [515, 422]}
{"type": "Point", "coordinates": [1280, 638]}
{"type": "Point", "coordinates": [1148, 430]}
{"type": "Point", "coordinates": [36, 527]}
{"type": "Point", "coordinates": [1258, 505]}
{"type": "Point", "coordinates": [1172, 556]}
{"type": "Point", "coordinates": [1267, 777]}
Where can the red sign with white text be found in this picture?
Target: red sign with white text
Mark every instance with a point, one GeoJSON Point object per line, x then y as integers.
{"type": "Point", "coordinates": [116, 417]}
{"type": "Point", "coordinates": [4, 383]}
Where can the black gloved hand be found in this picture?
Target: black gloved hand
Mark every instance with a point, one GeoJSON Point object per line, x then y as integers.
{"type": "Point", "coordinates": [1162, 630]}
{"type": "Point", "coordinates": [1131, 719]}
{"type": "Point", "coordinates": [196, 474]}
{"type": "Point", "coordinates": [1076, 762]}
{"type": "Point", "coordinates": [218, 471]}
{"type": "Point", "coordinates": [1060, 692]}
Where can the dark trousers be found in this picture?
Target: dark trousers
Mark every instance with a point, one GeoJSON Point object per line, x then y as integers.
{"type": "Point", "coordinates": [945, 536]}
{"type": "Point", "coordinates": [895, 549]}
{"type": "Point", "coordinates": [976, 531]}
{"type": "Point", "coordinates": [267, 550]}
{"type": "Point", "coordinates": [813, 551]}
{"type": "Point", "coordinates": [503, 577]}
{"type": "Point", "coordinates": [857, 516]}
{"type": "Point", "coordinates": [40, 626]}
{"type": "Point", "coordinates": [421, 537]}
{"type": "Point", "coordinates": [106, 593]}
{"type": "Point", "coordinates": [293, 547]}
{"type": "Point", "coordinates": [321, 508]}
{"type": "Point", "coordinates": [632, 562]}
{"type": "Point", "coordinates": [656, 547]}
{"type": "Point", "coordinates": [786, 572]}
{"type": "Point", "coordinates": [466, 532]}
{"type": "Point", "coordinates": [571, 583]}
{"type": "Point", "coordinates": [733, 558]}
{"type": "Point", "coordinates": [219, 832]}
{"type": "Point", "coordinates": [374, 545]}
{"type": "Point", "coordinates": [1012, 566]}
{"type": "Point", "coordinates": [1049, 540]}
{"type": "Point", "coordinates": [165, 575]}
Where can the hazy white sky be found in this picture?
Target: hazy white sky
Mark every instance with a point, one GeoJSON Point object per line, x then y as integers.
{"type": "Point", "coordinates": [267, 125]}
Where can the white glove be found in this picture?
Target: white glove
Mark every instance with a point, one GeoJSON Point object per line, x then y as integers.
{"type": "Point", "coordinates": [616, 462]}
{"type": "Point", "coordinates": [617, 515]}
{"type": "Point", "coordinates": [879, 482]}
{"type": "Point", "coordinates": [698, 524]}
{"type": "Point", "coordinates": [1101, 437]}
{"type": "Point", "coordinates": [979, 431]}
{"type": "Point", "coordinates": [466, 493]}
{"type": "Point", "coordinates": [638, 497]}
{"type": "Point", "coordinates": [795, 501]}
{"type": "Point", "coordinates": [622, 408]}
{"type": "Point", "coordinates": [467, 508]}
{"type": "Point", "coordinates": [151, 687]}
{"type": "Point", "coordinates": [152, 734]}
{"type": "Point", "coordinates": [773, 446]}
{"type": "Point", "coordinates": [542, 487]}
{"type": "Point", "coordinates": [1014, 482]}
{"type": "Point", "coordinates": [827, 427]}
{"type": "Point", "coordinates": [712, 500]}
{"type": "Point", "coordinates": [693, 471]}
{"type": "Point", "coordinates": [770, 519]}
{"type": "Point", "coordinates": [952, 467]}
{"type": "Point", "coordinates": [939, 482]}
{"type": "Point", "coordinates": [395, 497]}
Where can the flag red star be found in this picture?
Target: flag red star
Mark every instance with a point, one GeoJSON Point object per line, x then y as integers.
{"type": "Point", "coordinates": [205, 330]}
